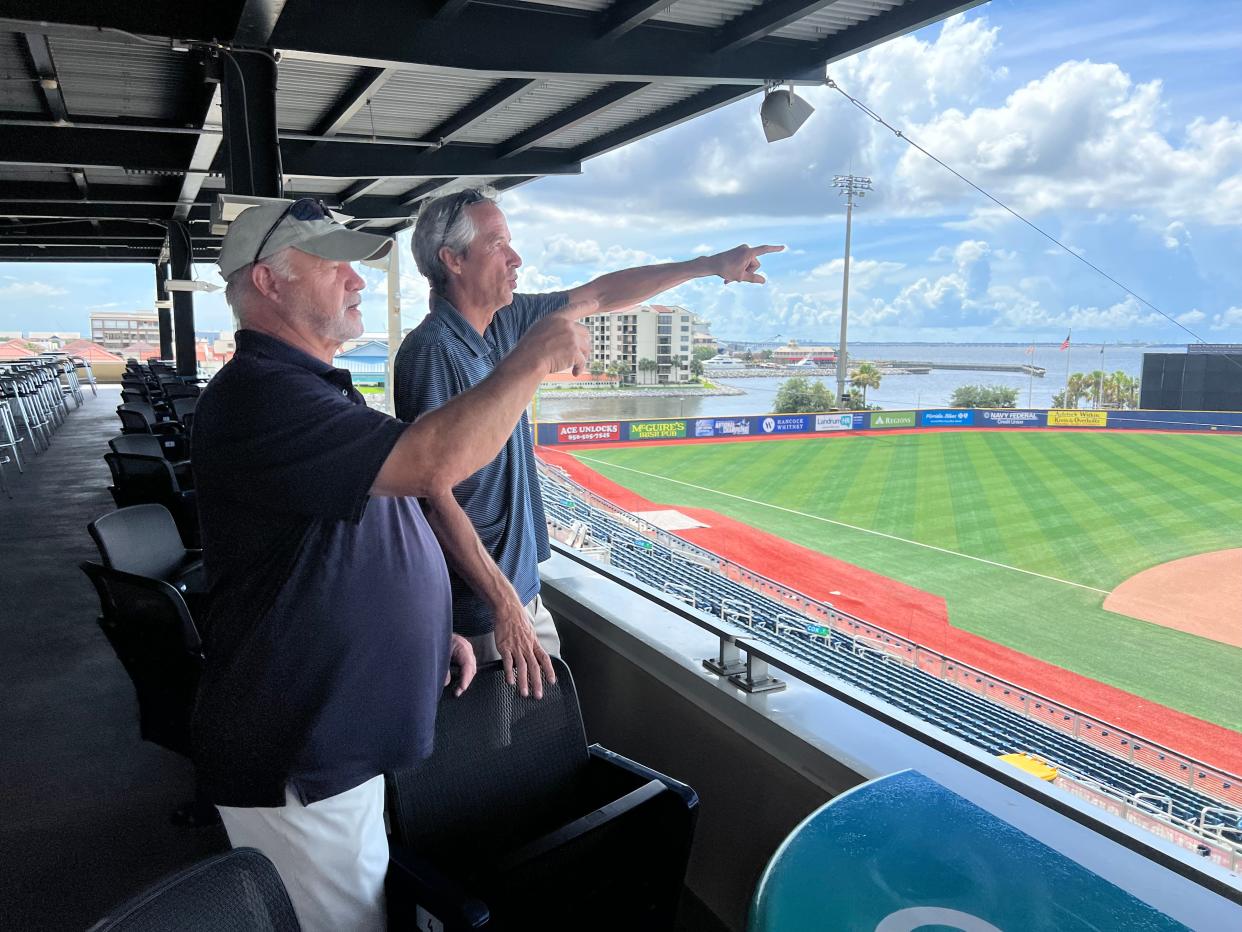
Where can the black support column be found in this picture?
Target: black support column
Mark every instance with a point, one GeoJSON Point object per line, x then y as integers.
{"type": "Point", "coordinates": [251, 144]}
{"type": "Point", "coordinates": [183, 301]}
{"type": "Point", "coordinates": [165, 314]}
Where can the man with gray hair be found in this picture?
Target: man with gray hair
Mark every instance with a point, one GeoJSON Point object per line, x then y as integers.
{"type": "Point", "coordinates": [329, 638]}
{"type": "Point", "coordinates": [492, 525]}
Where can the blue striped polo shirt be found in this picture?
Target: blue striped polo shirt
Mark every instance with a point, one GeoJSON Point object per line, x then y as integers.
{"type": "Point", "coordinates": [443, 357]}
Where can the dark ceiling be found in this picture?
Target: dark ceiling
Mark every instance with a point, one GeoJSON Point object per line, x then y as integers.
{"type": "Point", "coordinates": [110, 112]}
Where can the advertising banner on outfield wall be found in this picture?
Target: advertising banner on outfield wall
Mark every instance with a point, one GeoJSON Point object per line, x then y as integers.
{"type": "Point", "coordinates": [656, 430]}
{"type": "Point", "coordinates": [605, 432]}
{"type": "Point", "coordinates": [1059, 418]}
{"type": "Point", "coordinates": [953, 417]}
{"type": "Point", "coordinates": [883, 419]}
{"type": "Point", "coordinates": [1010, 418]}
{"type": "Point", "coordinates": [834, 422]}
{"type": "Point", "coordinates": [784, 424]}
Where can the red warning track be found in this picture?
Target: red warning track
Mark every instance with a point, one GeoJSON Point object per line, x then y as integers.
{"type": "Point", "coordinates": [922, 618]}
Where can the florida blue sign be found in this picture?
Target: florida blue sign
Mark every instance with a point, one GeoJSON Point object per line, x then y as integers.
{"type": "Point", "coordinates": [953, 417]}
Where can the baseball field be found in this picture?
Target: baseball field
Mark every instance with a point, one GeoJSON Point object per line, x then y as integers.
{"type": "Point", "coordinates": [1024, 535]}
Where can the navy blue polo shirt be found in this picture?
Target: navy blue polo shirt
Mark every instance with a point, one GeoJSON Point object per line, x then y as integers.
{"type": "Point", "coordinates": [328, 632]}
{"type": "Point", "coordinates": [442, 357]}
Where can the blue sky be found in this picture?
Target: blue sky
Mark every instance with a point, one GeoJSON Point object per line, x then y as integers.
{"type": "Point", "coordinates": [1115, 126]}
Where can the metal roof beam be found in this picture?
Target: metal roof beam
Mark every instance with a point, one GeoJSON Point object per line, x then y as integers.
{"type": "Point", "coordinates": [199, 21]}
{"type": "Point", "coordinates": [49, 80]}
{"type": "Point", "coordinates": [342, 160]}
{"type": "Point", "coordinates": [73, 147]}
{"type": "Point", "coordinates": [449, 9]}
{"type": "Point", "coordinates": [571, 116]}
{"type": "Point", "coordinates": [625, 15]}
{"type": "Point", "coordinates": [359, 188]}
{"type": "Point", "coordinates": [501, 93]}
{"type": "Point", "coordinates": [353, 100]}
{"type": "Point", "coordinates": [764, 20]}
{"type": "Point", "coordinates": [422, 192]}
{"type": "Point", "coordinates": [526, 41]}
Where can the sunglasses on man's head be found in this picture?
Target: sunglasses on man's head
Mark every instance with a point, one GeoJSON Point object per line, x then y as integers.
{"type": "Point", "coordinates": [306, 208]}
{"type": "Point", "coordinates": [463, 199]}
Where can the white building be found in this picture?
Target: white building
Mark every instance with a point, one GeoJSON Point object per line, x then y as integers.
{"type": "Point", "coordinates": [648, 331]}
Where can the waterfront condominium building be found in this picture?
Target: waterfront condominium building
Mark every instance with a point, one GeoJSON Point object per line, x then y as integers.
{"type": "Point", "coordinates": [651, 343]}
{"type": "Point", "coordinates": [115, 331]}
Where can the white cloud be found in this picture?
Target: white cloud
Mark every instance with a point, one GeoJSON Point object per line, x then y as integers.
{"type": "Point", "coordinates": [20, 289]}
{"type": "Point", "coordinates": [1228, 319]}
{"type": "Point", "coordinates": [1084, 135]}
{"type": "Point", "coordinates": [1191, 317]}
{"type": "Point", "coordinates": [1176, 235]}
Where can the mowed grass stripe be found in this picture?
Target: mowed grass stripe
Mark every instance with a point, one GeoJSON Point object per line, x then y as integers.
{"type": "Point", "coordinates": [974, 520]}
{"type": "Point", "coordinates": [1188, 499]}
{"type": "Point", "coordinates": [1063, 625]}
{"type": "Point", "coordinates": [1151, 529]}
{"type": "Point", "coordinates": [1072, 547]}
{"type": "Point", "coordinates": [1083, 485]}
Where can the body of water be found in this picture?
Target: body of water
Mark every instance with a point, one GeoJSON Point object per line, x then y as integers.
{"type": "Point", "coordinates": [896, 391]}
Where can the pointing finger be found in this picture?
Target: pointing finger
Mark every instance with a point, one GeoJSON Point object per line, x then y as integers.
{"type": "Point", "coordinates": [764, 250]}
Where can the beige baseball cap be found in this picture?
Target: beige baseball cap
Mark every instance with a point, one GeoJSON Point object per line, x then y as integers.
{"type": "Point", "coordinates": [259, 232]}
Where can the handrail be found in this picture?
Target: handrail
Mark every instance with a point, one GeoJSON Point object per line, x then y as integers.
{"type": "Point", "coordinates": [1142, 751]}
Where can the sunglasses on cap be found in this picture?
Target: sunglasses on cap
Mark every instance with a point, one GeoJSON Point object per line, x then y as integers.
{"type": "Point", "coordinates": [306, 208]}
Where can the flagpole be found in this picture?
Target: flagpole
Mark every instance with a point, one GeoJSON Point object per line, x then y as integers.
{"type": "Point", "coordinates": [1099, 383]}
{"type": "Point", "coordinates": [1067, 364]}
{"type": "Point", "coordinates": [1030, 384]}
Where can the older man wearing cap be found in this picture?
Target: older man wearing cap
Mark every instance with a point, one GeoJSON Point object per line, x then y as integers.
{"type": "Point", "coordinates": [330, 622]}
{"type": "Point", "coordinates": [492, 526]}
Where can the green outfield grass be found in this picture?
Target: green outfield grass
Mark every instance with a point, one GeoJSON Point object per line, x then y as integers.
{"type": "Point", "coordinates": [1086, 508]}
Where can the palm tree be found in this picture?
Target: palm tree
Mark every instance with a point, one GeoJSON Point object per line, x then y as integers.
{"type": "Point", "coordinates": [646, 365]}
{"type": "Point", "coordinates": [617, 370]}
{"type": "Point", "coordinates": [864, 377]}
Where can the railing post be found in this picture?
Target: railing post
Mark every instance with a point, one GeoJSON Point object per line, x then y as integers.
{"type": "Point", "coordinates": [729, 661]}
{"type": "Point", "coordinates": [756, 678]}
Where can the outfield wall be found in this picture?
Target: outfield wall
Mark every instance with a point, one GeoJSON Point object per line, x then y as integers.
{"type": "Point", "coordinates": [777, 425]}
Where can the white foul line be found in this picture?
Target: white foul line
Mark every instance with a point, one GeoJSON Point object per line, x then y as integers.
{"type": "Point", "coordinates": [852, 527]}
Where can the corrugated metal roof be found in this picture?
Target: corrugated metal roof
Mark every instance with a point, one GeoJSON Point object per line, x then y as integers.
{"type": "Point", "coordinates": [642, 104]}
{"type": "Point", "coordinates": [710, 14]}
{"type": "Point", "coordinates": [540, 101]}
{"type": "Point", "coordinates": [413, 102]}
{"type": "Point", "coordinates": [591, 6]}
{"type": "Point", "coordinates": [100, 77]}
{"type": "Point", "coordinates": [835, 18]}
{"type": "Point", "coordinates": [307, 91]}
{"type": "Point", "coordinates": [18, 89]}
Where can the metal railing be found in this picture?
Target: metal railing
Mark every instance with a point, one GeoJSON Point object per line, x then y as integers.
{"type": "Point", "coordinates": [1120, 742]}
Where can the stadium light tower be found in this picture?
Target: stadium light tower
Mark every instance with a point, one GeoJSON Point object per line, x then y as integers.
{"type": "Point", "coordinates": [852, 186]}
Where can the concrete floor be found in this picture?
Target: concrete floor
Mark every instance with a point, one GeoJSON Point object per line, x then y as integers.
{"type": "Point", "coordinates": [84, 804]}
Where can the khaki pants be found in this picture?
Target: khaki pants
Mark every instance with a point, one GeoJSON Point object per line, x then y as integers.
{"type": "Point", "coordinates": [545, 631]}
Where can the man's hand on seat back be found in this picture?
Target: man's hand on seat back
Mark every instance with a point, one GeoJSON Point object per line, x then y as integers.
{"type": "Point", "coordinates": [523, 656]}
{"type": "Point", "coordinates": [461, 655]}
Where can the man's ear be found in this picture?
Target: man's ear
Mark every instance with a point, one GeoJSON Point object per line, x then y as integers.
{"type": "Point", "coordinates": [265, 281]}
{"type": "Point", "coordinates": [450, 260]}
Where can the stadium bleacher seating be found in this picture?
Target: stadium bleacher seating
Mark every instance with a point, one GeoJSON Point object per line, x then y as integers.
{"type": "Point", "coordinates": [993, 727]}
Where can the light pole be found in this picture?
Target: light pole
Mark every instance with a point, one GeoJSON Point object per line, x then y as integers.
{"type": "Point", "coordinates": [851, 186]}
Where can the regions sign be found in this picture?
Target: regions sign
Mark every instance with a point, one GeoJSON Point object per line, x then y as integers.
{"type": "Point", "coordinates": [1010, 418]}
{"type": "Point", "coordinates": [834, 421]}
{"type": "Point", "coordinates": [784, 424]}
{"type": "Point", "coordinates": [588, 433]}
{"type": "Point", "coordinates": [1077, 418]}
{"type": "Point", "coordinates": [884, 419]}
{"type": "Point", "coordinates": [656, 430]}
{"type": "Point", "coordinates": [954, 417]}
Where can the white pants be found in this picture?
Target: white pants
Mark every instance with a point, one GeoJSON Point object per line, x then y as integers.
{"type": "Point", "coordinates": [332, 855]}
{"type": "Point", "coordinates": [545, 632]}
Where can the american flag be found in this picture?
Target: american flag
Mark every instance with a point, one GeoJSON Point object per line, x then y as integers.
{"type": "Point", "coordinates": [1065, 342]}
{"type": "Point", "coordinates": [1029, 351]}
